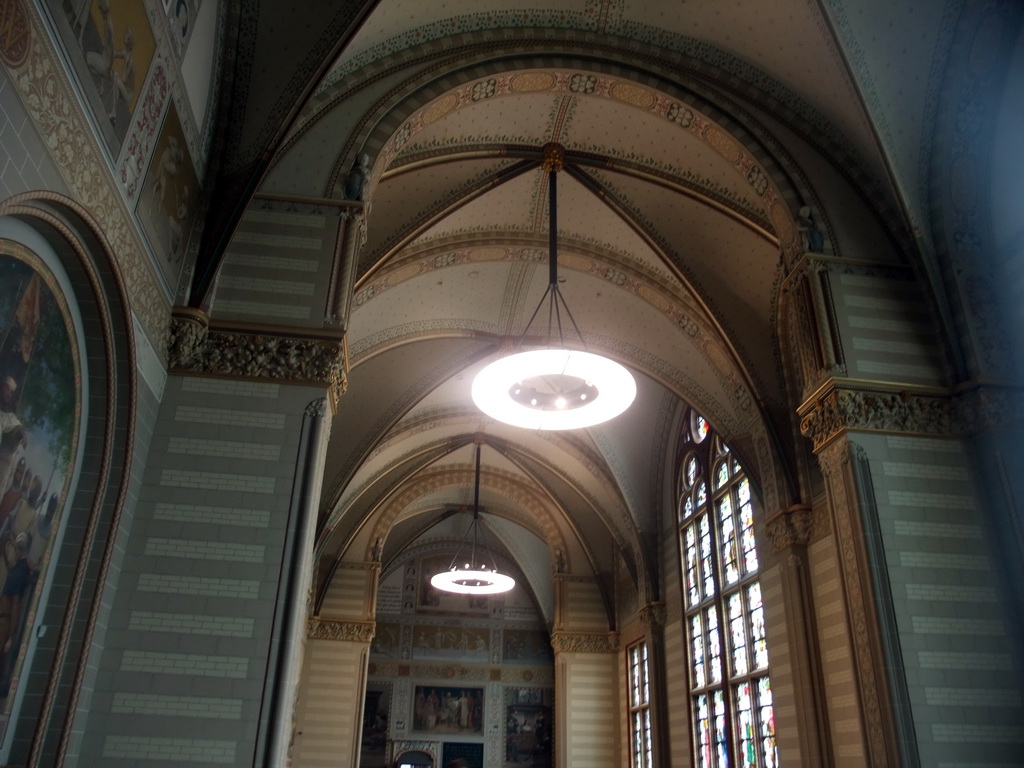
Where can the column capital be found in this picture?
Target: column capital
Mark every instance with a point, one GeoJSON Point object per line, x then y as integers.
{"type": "Point", "coordinates": [791, 527]}
{"type": "Point", "coordinates": [840, 405]}
{"type": "Point", "coordinates": [195, 345]}
{"type": "Point", "coordinates": [653, 615]}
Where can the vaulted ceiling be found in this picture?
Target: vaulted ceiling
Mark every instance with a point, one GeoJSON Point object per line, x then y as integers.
{"type": "Point", "coordinates": [693, 130]}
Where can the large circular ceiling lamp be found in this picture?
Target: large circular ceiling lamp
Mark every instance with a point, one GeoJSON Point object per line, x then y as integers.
{"type": "Point", "coordinates": [554, 387]}
{"type": "Point", "coordinates": [470, 573]}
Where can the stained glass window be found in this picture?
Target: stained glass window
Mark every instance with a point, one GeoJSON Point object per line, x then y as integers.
{"type": "Point", "coordinates": [732, 708]}
{"type": "Point", "coordinates": [641, 749]}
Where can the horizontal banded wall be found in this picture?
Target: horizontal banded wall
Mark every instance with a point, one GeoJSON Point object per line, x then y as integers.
{"type": "Point", "coordinates": [676, 664]}
{"type": "Point", "coordinates": [328, 714]}
{"type": "Point", "coordinates": [277, 269]}
{"type": "Point", "coordinates": [846, 737]}
{"type": "Point", "coordinates": [589, 715]}
{"type": "Point", "coordinates": [887, 328]}
{"type": "Point", "coordinates": [962, 660]}
{"type": "Point", "coordinates": [182, 675]}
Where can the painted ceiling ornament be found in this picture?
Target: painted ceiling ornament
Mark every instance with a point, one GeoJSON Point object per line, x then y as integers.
{"type": "Point", "coordinates": [556, 387]}
{"type": "Point", "coordinates": [15, 33]}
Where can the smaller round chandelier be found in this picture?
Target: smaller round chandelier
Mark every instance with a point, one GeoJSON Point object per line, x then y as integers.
{"type": "Point", "coordinates": [469, 573]}
{"type": "Point", "coordinates": [554, 387]}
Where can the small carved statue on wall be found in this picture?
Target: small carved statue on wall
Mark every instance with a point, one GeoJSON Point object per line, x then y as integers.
{"type": "Point", "coordinates": [356, 179]}
{"type": "Point", "coordinates": [813, 240]}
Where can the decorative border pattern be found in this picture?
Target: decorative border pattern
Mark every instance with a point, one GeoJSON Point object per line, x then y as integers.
{"type": "Point", "coordinates": [585, 642]}
{"type": "Point", "coordinates": [348, 631]}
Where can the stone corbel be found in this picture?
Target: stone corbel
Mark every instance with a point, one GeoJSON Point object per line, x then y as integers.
{"type": "Point", "coordinates": [196, 346]}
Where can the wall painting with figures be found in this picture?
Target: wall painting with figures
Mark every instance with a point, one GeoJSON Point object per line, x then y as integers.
{"type": "Point", "coordinates": [167, 203]}
{"type": "Point", "coordinates": [40, 413]}
{"type": "Point", "coordinates": [111, 44]}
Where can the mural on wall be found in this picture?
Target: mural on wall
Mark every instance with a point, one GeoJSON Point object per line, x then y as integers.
{"type": "Point", "coordinates": [167, 202]}
{"type": "Point", "coordinates": [526, 646]}
{"type": "Point", "coordinates": [372, 750]}
{"type": "Point", "coordinates": [111, 44]}
{"type": "Point", "coordinates": [528, 728]}
{"type": "Point", "coordinates": [442, 642]}
{"type": "Point", "coordinates": [433, 600]}
{"type": "Point", "coordinates": [40, 405]}
{"type": "Point", "coordinates": [443, 710]}
{"type": "Point", "coordinates": [387, 639]}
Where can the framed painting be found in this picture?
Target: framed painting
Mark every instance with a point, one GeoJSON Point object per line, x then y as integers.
{"type": "Point", "coordinates": [442, 710]}
{"type": "Point", "coordinates": [40, 417]}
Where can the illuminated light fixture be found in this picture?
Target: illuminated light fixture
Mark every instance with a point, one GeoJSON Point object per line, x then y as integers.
{"type": "Point", "coordinates": [555, 387]}
{"type": "Point", "coordinates": [468, 574]}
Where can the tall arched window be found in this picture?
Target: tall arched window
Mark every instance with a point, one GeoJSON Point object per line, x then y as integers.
{"type": "Point", "coordinates": [731, 694]}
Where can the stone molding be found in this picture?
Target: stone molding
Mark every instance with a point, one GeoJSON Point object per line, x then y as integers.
{"type": "Point", "coordinates": [585, 642]}
{"type": "Point", "coordinates": [195, 346]}
{"type": "Point", "coordinates": [791, 527]}
{"type": "Point", "coordinates": [350, 631]}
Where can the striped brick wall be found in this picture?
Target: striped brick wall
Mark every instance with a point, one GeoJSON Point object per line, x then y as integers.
{"type": "Point", "coordinates": [677, 660]}
{"type": "Point", "coordinates": [886, 328]}
{"type": "Point", "coordinates": [962, 664]}
{"type": "Point", "coordinates": [583, 608]}
{"type": "Point", "coordinates": [780, 666]}
{"type": "Point", "coordinates": [278, 265]}
{"type": "Point", "coordinates": [590, 710]}
{"type": "Point", "coordinates": [328, 719]}
{"type": "Point", "coordinates": [837, 663]}
{"type": "Point", "coordinates": [182, 672]}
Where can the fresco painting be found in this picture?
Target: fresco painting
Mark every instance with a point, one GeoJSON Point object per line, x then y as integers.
{"type": "Point", "coordinates": [113, 46]}
{"type": "Point", "coordinates": [167, 202]}
{"type": "Point", "coordinates": [448, 710]}
{"type": "Point", "coordinates": [40, 405]}
{"type": "Point", "coordinates": [528, 728]}
{"type": "Point", "coordinates": [449, 642]}
{"type": "Point", "coordinates": [375, 729]}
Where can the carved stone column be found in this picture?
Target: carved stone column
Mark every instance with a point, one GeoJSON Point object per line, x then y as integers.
{"type": "Point", "coordinates": [789, 532]}
{"type": "Point", "coordinates": [346, 264]}
{"type": "Point", "coordinates": [879, 673]}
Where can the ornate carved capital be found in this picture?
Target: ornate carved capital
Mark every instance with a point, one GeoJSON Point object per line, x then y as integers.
{"type": "Point", "coordinates": [839, 406]}
{"type": "Point", "coordinates": [197, 347]}
{"type": "Point", "coordinates": [653, 615]}
{"type": "Point", "coordinates": [585, 642]}
{"type": "Point", "coordinates": [791, 527]}
{"type": "Point", "coordinates": [352, 631]}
